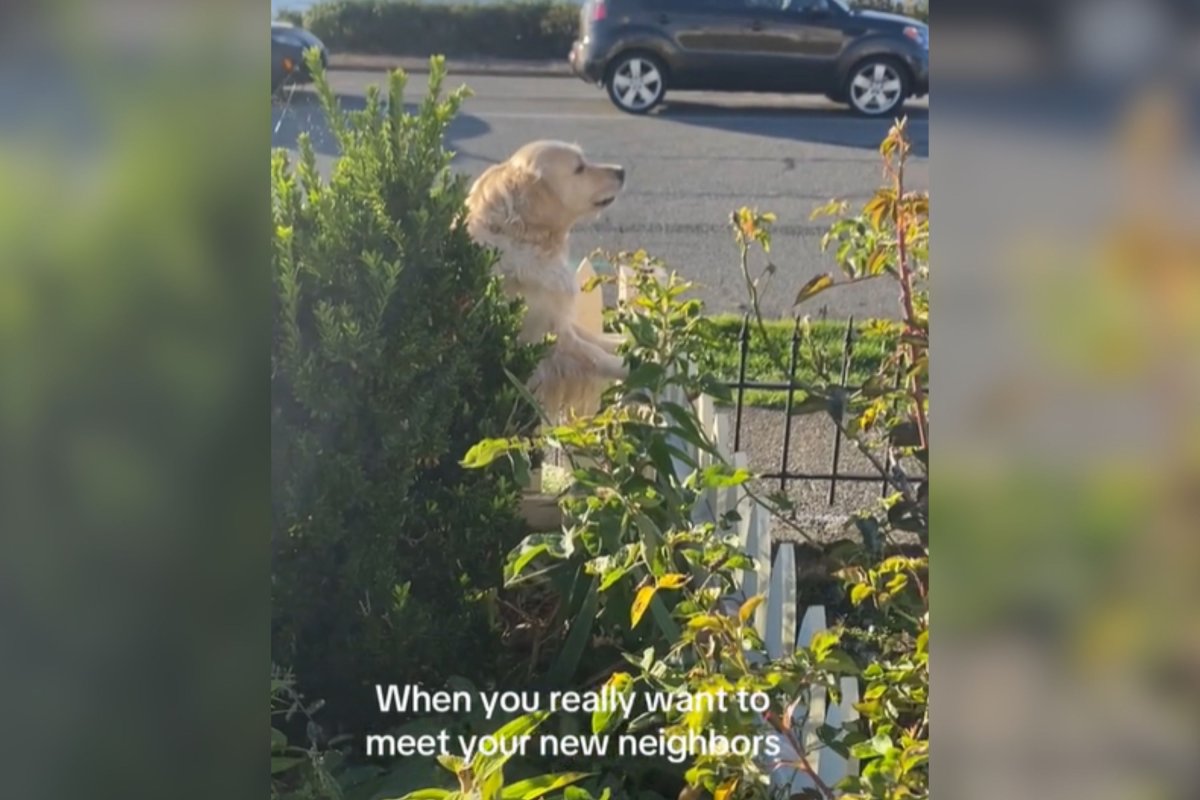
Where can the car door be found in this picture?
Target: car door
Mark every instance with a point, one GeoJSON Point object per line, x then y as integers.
{"type": "Point", "coordinates": [711, 40]}
{"type": "Point", "coordinates": [794, 44]}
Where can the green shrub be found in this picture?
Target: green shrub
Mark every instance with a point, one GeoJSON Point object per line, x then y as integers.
{"type": "Point", "coordinates": [390, 344]}
{"type": "Point", "coordinates": [534, 30]}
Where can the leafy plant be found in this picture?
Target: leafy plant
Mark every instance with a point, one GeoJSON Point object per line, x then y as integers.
{"type": "Point", "coordinates": [483, 776]}
{"type": "Point", "coordinates": [299, 773]}
{"type": "Point", "coordinates": [392, 346]}
{"type": "Point", "coordinates": [646, 577]}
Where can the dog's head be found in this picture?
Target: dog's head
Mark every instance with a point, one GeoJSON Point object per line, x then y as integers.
{"type": "Point", "coordinates": [544, 187]}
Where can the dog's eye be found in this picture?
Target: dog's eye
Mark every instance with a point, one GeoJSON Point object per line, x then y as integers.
{"type": "Point", "coordinates": [579, 169]}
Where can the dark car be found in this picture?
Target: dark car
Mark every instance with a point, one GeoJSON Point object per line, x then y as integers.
{"type": "Point", "coordinates": [638, 49]}
{"type": "Point", "coordinates": [288, 45]}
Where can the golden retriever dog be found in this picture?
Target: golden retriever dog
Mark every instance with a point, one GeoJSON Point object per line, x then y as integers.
{"type": "Point", "coordinates": [525, 208]}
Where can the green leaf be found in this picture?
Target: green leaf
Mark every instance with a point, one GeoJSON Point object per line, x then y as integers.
{"type": "Point", "coordinates": [723, 476]}
{"type": "Point", "coordinates": [619, 685]}
{"type": "Point", "coordinates": [646, 376]}
{"type": "Point", "coordinates": [822, 643]}
{"type": "Point", "coordinates": [553, 545]}
{"type": "Point", "coordinates": [485, 767]}
{"type": "Point", "coordinates": [453, 763]}
{"type": "Point", "coordinates": [567, 662]}
{"type": "Point", "coordinates": [533, 788]}
{"type": "Point", "coordinates": [487, 451]}
{"type": "Point", "coordinates": [428, 794]}
{"type": "Point", "coordinates": [813, 288]}
{"type": "Point", "coordinates": [652, 538]}
{"type": "Point", "coordinates": [284, 763]}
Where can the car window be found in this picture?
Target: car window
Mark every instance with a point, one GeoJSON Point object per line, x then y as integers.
{"type": "Point", "coordinates": [787, 6]}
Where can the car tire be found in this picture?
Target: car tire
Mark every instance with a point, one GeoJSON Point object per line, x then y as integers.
{"type": "Point", "coordinates": [877, 86]}
{"type": "Point", "coordinates": [636, 82]}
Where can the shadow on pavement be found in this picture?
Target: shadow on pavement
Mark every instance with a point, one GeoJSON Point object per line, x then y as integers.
{"type": "Point", "coordinates": [834, 125]}
{"type": "Point", "coordinates": [303, 114]}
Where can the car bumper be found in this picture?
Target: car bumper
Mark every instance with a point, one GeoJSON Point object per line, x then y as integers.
{"type": "Point", "coordinates": [584, 64]}
{"type": "Point", "coordinates": [920, 69]}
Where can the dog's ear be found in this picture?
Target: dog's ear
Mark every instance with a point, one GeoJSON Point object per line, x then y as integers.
{"type": "Point", "coordinates": [507, 196]}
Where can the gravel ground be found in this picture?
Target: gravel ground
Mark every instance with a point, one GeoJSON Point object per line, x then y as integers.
{"type": "Point", "coordinates": [811, 451]}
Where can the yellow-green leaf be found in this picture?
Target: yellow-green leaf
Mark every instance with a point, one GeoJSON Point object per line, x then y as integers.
{"type": "Point", "coordinates": [641, 603]}
{"type": "Point", "coordinates": [704, 621]}
{"type": "Point", "coordinates": [813, 288]}
{"type": "Point", "coordinates": [619, 685]}
{"type": "Point", "coordinates": [672, 580]}
{"type": "Point", "coordinates": [452, 762]}
{"type": "Point", "coordinates": [860, 593]}
{"type": "Point", "coordinates": [748, 608]}
{"type": "Point", "coordinates": [533, 788]}
{"type": "Point", "coordinates": [725, 790]}
{"type": "Point", "coordinates": [822, 643]}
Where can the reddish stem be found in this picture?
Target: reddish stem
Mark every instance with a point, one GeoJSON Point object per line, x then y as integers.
{"type": "Point", "coordinates": [906, 300]}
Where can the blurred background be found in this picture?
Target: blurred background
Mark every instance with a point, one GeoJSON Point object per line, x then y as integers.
{"type": "Point", "coordinates": [133, 359]}
{"type": "Point", "coordinates": [134, 342]}
{"type": "Point", "coordinates": [1066, 197]}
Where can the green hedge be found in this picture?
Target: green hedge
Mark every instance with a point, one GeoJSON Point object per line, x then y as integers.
{"type": "Point", "coordinates": [390, 349]}
{"type": "Point", "coordinates": [524, 30]}
{"type": "Point", "coordinates": [538, 30]}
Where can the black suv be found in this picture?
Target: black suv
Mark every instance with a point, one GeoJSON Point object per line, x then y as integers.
{"type": "Point", "coordinates": [638, 49]}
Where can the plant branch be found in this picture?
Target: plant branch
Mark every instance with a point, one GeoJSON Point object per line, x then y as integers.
{"type": "Point", "coordinates": [803, 762]}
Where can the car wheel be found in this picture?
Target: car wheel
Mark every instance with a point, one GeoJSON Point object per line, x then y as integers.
{"type": "Point", "coordinates": [877, 86]}
{"type": "Point", "coordinates": [636, 82]}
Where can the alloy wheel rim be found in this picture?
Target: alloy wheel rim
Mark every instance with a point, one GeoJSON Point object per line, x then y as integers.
{"type": "Point", "coordinates": [637, 83]}
{"type": "Point", "coordinates": [876, 89]}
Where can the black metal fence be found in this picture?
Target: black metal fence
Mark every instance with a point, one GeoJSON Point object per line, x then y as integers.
{"type": "Point", "coordinates": [783, 474]}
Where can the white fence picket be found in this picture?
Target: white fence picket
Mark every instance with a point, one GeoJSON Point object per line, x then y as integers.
{"type": "Point", "coordinates": [833, 767]}
{"type": "Point", "coordinates": [589, 306]}
{"type": "Point", "coordinates": [813, 623]}
{"type": "Point", "coordinates": [781, 604]}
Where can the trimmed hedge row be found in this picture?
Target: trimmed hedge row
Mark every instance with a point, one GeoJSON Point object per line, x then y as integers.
{"type": "Point", "coordinates": [524, 30]}
{"type": "Point", "coordinates": [536, 30]}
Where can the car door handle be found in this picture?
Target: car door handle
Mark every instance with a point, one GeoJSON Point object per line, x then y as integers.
{"type": "Point", "coordinates": [756, 25]}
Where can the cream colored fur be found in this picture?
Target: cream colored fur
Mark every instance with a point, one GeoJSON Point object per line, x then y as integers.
{"type": "Point", "coordinates": [525, 208]}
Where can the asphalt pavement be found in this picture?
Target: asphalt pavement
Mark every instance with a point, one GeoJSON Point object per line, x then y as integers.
{"type": "Point", "coordinates": [692, 162]}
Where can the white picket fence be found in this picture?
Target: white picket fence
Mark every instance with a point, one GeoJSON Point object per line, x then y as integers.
{"type": "Point", "coordinates": [778, 619]}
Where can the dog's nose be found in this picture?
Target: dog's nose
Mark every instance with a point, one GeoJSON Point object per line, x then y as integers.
{"type": "Point", "coordinates": [620, 174]}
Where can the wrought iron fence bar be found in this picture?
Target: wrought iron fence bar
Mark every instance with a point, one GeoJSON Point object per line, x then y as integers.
{"type": "Point", "coordinates": [825, 476]}
{"type": "Point", "coordinates": [744, 346]}
{"type": "Point", "coordinates": [847, 350]}
{"type": "Point", "coordinates": [791, 399]}
{"type": "Point", "coordinates": [889, 463]}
